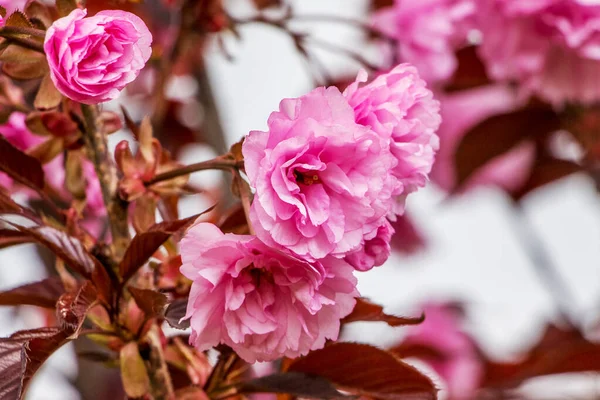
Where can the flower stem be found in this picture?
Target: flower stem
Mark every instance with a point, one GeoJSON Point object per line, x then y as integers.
{"type": "Point", "coordinates": [221, 162]}
{"type": "Point", "coordinates": [160, 379]}
{"type": "Point", "coordinates": [107, 175]}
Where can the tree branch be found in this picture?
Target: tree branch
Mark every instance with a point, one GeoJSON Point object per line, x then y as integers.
{"type": "Point", "coordinates": [107, 175]}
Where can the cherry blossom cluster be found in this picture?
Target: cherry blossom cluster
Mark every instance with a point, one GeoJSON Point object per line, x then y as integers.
{"type": "Point", "coordinates": [329, 174]}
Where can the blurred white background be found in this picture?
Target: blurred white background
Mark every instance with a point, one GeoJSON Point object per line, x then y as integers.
{"type": "Point", "coordinates": [473, 254]}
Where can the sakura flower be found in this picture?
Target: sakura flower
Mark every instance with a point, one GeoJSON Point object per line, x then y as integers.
{"type": "Point", "coordinates": [456, 361]}
{"type": "Point", "coordinates": [92, 59]}
{"type": "Point", "coordinates": [322, 181]}
{"type": "Point", "coordinates": [263, 303]}
{"type": "Point", "coordinates": [428, 33]}
{"type": "Point", "coordinates": [375, 249]}
{"type": "Point", "coordinates": [549, 46]}
{"type": "Point", "coordinates": [401, 110]}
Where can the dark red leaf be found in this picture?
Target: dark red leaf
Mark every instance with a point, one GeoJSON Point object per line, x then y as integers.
{"type": "Point", "coordinates": [294, 383]}
{"type": "Point", "coordinates": [11, 237]}
{"type": "Point", "coordinates": [144, 245]}
{"type": "Point", "coordinates": [499, 134]}
{"type": "Point", "coordinates": [19, 166]}
{"type": "Point", "coordinates": [22, 354]}
{"type": "Point", "coordinates": [262, 4]}
{"type": "Point", "coordinates": [470, 72]}
{"type": "Point", "coordinates": [558, 351]}
{"type": "Point", "coordinates": [151, 302]}
{"type": "Point", "coordinates": [64, 246]}
{"type": "Point", "coordinates": [42, 294]}
{"type": "Point", "coordinates": [378, 4]}
{"type": "Point", "coordinates": [72, 308]}
{"type": "Point", "coordinates": [175, 311]}
{"type": "Point", "coordinates": [364, 310]}
{"type": "Point", "coordinates": [366, 370]}
{"type": "Point", "coordinates": [545, 171]}
{"type": "Point", "coordinates": [234, 220]}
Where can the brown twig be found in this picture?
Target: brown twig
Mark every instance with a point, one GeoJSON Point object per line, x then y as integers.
{"type": "Point", "coordinates": [220, 163]}
{"type": "Point", "coordinates": [107, 175]}
{"type": "Point", "coordinates": [160, 379]}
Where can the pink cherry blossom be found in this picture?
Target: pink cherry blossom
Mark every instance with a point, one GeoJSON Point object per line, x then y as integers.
{"type": "Point", "coordinates": [92, 59]}
{"type": "Point", "coordinates": [260, 301]}
{"type": "Point", "coordinates": [322, 181]}
{"type": "Point", "coordinates": [428, 33]}
{"type": "Point", "coordinates": [458, 363]}
{"type": "Point", "coordinates": [550, 46]}
{"type": "Point", "coordinates": [401, 110]}
{"type": "Point", "coordinates": [375, 250]}
{"type": "Point", "coordinates": [12, 5]}
{"type": "Point", "coordinates": [461, 112]}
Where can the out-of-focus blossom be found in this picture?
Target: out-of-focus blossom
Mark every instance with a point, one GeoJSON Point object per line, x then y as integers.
{"type": "Point", "coordinates": [550, 46]}
{"type": "Point", "coordinates": [461, 112]}
{"type": "Point", "coordinates": [12, 5]}
{"type": "Point", "coordinates": [452, 353]}
{"type": "Point", "coordinates": [428, 33]}
{"type": "Point", "coordinates": [261, 302]}
{"type": "Point", "coordinates": [322, 180]}
{"type": "Point", "coordinates": [16, 132]}
{"type": "Point", "coordinates": [375, 250]}
{"type": "Point", "coordinates": [92, 59]}
{"type": "Point", "coordinates": [401, 110]}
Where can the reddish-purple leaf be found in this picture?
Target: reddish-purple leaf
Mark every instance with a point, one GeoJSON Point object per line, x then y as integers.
{"type": "Point", "coordinates": [11, 237]}
{"type": "Point", "coordinates": [294, 383]}
{"type": "Point", "coordinates": [64, 246]}
{"type": "Point", "coordinates": [558, 351]}
{"type": "Point", "coordinates": [499, 134]}
{"type": "Point", "coordinates": [364, 310]}
{"type": "Point", "coordinates": [144, 245]}
{"type": "Point", "coordinates": [22, 354]}
{"type": "Point", "coordinates": [471, 71]}
{"type": "Point", "coordinates": [366, 370]}
{"type": "Point", "coordinates": [545, 171]}
{"type": "Point", "coordinates": [175, 311]}
{"type": "Point", "coordinates": [151, 302]}
{"type": "Point", "coordinates": [42, 294]}
{"type": "Point", "coordinates": [20, 166]}
{"type": "Point", "coordinates": [72, 307]}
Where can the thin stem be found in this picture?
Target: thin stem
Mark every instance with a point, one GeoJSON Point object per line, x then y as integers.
{"type": "Point", "coordinates": [220, 163]}
{"type": "Point", "coordinates": [160, 379]}
{"type": "Point", "coordinates": [107, 175]}
{"type": "Point", "coordinates": [20, 30]}
{"type": "Point", "coordinates": [543, 265]}
{"type": "Point", "coordinates": [245, 196]}
{"type": "Point", "coordinates": [24, 42]}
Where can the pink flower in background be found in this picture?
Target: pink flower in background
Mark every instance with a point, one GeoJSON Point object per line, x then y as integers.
{"type": "Point", "coordinates": [428, 33]}
{"type": "Point", "coordinates": [92, 59]}
{"type": "Point", "coordinates": [375, 250]}
{"type": "Point", "coordinates": [322, 180]}
{"type": "Point", "coordinates": [261, 302]}
{"type": "Point", "coordinates": [461, 112]}
{"type": "Point", "coordinates": [550, 46]}
{"type": "Point", "coordinates": [12, 5]}
{"type": "Point", "coordinates": [456, 359]}
{"type": "Point", "coordinates": [16, 132]}
{"type": "Point", "coordinates": [400, 109]}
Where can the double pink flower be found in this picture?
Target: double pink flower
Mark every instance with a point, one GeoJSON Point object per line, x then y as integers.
{"type": "Point", "coordinates": [329, 173]}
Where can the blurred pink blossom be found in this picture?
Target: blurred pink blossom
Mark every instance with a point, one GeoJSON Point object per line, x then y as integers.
{"type": "Point", "coordinates": [322, 180]}
{"type": "Point", "coordinates": [92, 59]}
{"type": "Point", "coordinates": [428, 33]}
{"type": "Point", "coordinates": [461, 112]}
{"type": "Point", "coordinates": [261, 302]}
{"type": "Point", "coordinates": [448, 350]}
{"type": "Point", "coordinates": [552, 47]}
{"type": "Point", "coordinates": [12, 5]}
{"type": "Point", "coordinates": [16, 132]}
